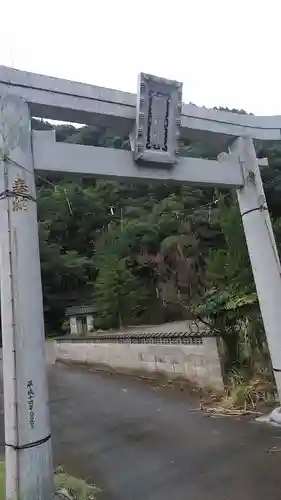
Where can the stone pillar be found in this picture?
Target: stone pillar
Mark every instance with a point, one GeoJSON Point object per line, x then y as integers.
{"type": "Point", "coordinates": [90, 323]}
{"type": "Point", "coordinates": [29, 472]}
{"type": "Point", "coordinates": [79, 325]}
{"type": "Point", "coordinates": [73, 325]}
{"type": "Point", "coordinates": [262, 248]}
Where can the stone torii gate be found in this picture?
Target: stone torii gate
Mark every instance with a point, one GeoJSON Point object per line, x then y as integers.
{"type": "Point", "coordinates": [155, 119]}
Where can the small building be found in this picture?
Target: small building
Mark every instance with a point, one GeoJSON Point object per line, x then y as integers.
{"type": "Point", "coordinates": [81, 319]}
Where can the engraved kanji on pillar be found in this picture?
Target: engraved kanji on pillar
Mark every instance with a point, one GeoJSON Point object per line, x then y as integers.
{"type": "Point", "coordinates": [20, 198]}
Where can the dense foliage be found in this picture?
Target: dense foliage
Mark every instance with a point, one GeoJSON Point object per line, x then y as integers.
{"type": "Point", "coordinates": [150, 253]}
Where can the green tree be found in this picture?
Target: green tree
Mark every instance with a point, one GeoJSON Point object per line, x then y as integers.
{"type": "Point", "coordinates": [150, 253]}
{"type": "Point", "coordinates": [230, 294]}
{"type": "Point", "coordinates": [118, 295]}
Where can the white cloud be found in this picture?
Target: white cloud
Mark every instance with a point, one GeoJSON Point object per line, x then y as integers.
{"type": "Point", "coordinates": [226, 53]}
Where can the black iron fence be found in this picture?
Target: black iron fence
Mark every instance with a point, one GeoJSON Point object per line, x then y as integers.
{"type": "Point", "coordinates": [193, 337]}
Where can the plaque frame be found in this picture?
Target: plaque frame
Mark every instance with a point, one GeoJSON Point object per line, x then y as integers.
{"type": "Point", "coordinates": [158, 120]}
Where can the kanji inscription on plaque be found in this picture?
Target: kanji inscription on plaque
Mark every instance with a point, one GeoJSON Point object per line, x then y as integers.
{"type": "Point", "coordinates": [158, 120]}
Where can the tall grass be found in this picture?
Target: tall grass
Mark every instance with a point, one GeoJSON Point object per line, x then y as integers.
{"type": "Point", "coordinates": [247, 391]}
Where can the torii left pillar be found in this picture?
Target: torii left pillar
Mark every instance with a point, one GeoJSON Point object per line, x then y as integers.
{"type": "Point", "coordinates": [28, 462]}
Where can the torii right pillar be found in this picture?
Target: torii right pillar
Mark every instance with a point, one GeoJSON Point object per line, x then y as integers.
{"type": "Point", "coordinates": [261, 247]}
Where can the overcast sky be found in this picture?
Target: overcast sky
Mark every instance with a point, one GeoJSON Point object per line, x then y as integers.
{"type": "Point", "coordinates": [225, 52]}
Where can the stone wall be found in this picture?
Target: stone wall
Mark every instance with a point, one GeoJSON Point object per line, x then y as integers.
{"type": "Point", "coordinates": [198, 361]}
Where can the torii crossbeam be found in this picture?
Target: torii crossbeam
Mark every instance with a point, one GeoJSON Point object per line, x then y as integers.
{"type": "Point", "coordinates": [156, 120]}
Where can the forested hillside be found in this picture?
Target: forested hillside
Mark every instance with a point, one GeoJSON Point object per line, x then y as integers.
{"type": "Point", "coordinates": [150, 253]}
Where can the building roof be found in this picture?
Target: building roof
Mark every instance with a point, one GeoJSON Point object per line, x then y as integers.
{"type": "Point", "coordinates": [80, 310]}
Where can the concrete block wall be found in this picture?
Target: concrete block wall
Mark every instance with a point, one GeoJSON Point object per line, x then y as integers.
{"type": "Point", "coordinates": [50, 352]}
{"type": "Point", "coordinates": [198, 363]}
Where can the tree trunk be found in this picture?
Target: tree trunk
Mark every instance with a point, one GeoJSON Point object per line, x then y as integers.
{"type": "Point", "coordinates": [232, 356]}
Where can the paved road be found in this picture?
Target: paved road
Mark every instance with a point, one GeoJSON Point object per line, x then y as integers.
{"type": "Point", "coordinates": [142, 443]}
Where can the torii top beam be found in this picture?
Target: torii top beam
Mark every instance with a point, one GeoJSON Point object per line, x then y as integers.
{"type": "Point", "coordinates": [65, 100]}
